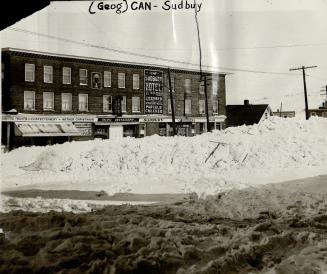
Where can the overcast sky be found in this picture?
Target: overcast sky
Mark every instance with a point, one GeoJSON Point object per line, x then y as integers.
{"type": "Point", "coordinates": [268, 36]}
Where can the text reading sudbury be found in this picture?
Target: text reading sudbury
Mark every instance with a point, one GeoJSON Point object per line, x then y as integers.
{"type": "Point", "coordinates": [124, 6]}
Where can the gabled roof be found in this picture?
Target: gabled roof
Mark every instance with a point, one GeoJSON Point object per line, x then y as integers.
{"type": "Point", "coordinates": [238, 115]}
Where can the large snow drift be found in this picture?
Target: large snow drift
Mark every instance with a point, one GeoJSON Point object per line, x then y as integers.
{"type": "Point", "coordinates": [277, 149]}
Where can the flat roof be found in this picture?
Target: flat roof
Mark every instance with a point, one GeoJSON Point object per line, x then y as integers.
{"type": "Point", "coordinates": [119, 62]}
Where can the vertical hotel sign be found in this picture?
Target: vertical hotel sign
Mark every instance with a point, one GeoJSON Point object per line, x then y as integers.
{"type": "Point", "coordinates": [153, 91]}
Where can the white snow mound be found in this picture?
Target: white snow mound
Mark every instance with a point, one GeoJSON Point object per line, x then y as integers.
{"type": "Point", "coordinates": [275, 150]}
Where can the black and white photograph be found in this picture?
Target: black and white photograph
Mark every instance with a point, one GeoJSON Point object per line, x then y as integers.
{"type": "Point", "coordinates": [164, 137]}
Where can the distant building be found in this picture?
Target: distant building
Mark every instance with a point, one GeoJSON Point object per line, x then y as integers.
{"type": "Point", "coordinates": [54, 98]}
{"type": "Point", "coordinates": [246, 114]}
{"type": "Point", "coordinates": [321, 111]}
{"type": "Point", "coordinates": [284, 114]}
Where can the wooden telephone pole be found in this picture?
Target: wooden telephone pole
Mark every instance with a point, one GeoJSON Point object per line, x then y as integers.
{"type": "Point", "coordinates": [172, 104]}
{"type": "Point", "coordinates": [303, 68]}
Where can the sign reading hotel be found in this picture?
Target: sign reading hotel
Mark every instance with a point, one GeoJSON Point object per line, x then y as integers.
{"type": "Point", "coordinates": [153, 91]}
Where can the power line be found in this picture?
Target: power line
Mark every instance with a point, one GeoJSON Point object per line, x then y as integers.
{"type": "Point", "coordinates": [144, 55]}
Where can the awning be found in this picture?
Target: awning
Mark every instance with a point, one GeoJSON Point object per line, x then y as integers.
{"type": "Point", "coordinates": [45, 129]}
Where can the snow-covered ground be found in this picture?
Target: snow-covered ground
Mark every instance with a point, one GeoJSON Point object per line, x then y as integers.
{"type": "Point", "coordinates": [276, 150]}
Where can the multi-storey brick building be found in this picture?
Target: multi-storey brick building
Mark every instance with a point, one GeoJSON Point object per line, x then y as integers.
{"type": "Point", "coordinates": [52, 98]}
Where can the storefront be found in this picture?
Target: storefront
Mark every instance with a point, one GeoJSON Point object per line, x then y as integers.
{"type": "Point", "coordinates": [185, 126]}
{"type": "Point", "coordinates": [28, 129]}
{"type": "Point", "coordinates": [118, 127]}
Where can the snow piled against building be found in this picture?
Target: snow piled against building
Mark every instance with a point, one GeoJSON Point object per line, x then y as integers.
{"type": "Point", "coordinates": [275, 150]}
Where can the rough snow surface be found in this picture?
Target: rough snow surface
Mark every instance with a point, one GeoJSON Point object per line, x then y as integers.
{"type": "Point", "coordinates": [277, 149]}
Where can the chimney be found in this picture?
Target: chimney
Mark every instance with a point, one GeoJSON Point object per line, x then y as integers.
{"type": "Point", "coordinates": [246, 102]}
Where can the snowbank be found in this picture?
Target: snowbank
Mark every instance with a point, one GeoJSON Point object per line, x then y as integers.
{"type": "Point", "coordinates": [277, 149]}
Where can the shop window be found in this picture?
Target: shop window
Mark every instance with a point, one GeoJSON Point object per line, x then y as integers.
{"type": "Point", "coordinates": [107, 79]}
{"type": "Point", "coordinates": [66, 101]}
{"type": "Point", "coordinates": [121, 80]}
{"type": "Point", "coordinates": [48, 101]}
{"type": "Point", "coordinates": [66, 75]}
{"type": "Point", "coordinates": [107, 103]}
{"type": "Point", "coordinates": [48, 74]}
{"type": "Point", "coordinates": [215, 107]}
{"type": "Point", "coordinates": [83, 77]}
{"type": "Point", "coordinates": [136, 81]}
{"type": "Point", "coordinates": [96, 80]}
{"type": "Point", "coordinates": [188, 106]}
{"type": "Point", "coordinates": [313, 114]}
{"type": "Point", "coordinates": [82, 102]}
{"type": "Point", "coordinates": [324, 114]}
{"type": "Point", "coordinates": [188, 86]}
{"type": "Point", "coordinates": [169, 106]}
{"type": "Point", "coordinates": [29, 100]}
{"type": "Point", "coordinates": [124, 104]}
{"type": "Point", "coordinates": [136, 106]}
{"type": "Point", "coordinates": [29, 72]}
{"type": "Point", "coordinates": [201, 107]}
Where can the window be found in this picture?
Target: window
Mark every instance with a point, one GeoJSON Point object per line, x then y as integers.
{"type": "Point", "coordinates": [48, 74]}
{"type": "Point", "coordinates": [201, 87]}
{"type": "Point", "coordinates": [136, 81]}
{"type": "Point", "coordinates": [107, 103]}
{"type": "Point", "coordinates": [121, 80]}
{"type": "Point", "coordinates": [169, 106]}
{"type": "Point", "coordinates": [123, 104]}
{"type": "Point", "coordinates": [29, 72]}
{"type": "Point", "coordinates": [188, 106]}
{"type": "Point", "coordinates": [201, 106]}
{"type": "Point", "coordinates": [96, 80]}
{"type": "Point", "coordinates": [48, 101]}
{"type": "Point", "coordinates": [214, 86]}
{"type": "Point", "coordinates": [188, 86]}
{"type": "Point", "coordinates": [324, 114]}
{"type": "Point", "coordinates": [82, 102]}
{"type": "Point", "coordinates": [107, 79]}
{"type": "Point", "coordinates": [215, 107]}
{"type": "Point", "coordinates": [136, 107]}
{"type": "Point", "coordinates": [83, 77]}
{"type": "Point", "coordinates": [66, 101]}
{"type": "Point", "coordinates": [29, 100]}
{"type": "Point", "coordinates": [172, 83]}
{"type": "Point", "coordinates": [66, 75]}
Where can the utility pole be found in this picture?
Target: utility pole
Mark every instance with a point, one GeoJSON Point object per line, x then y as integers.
{"type": "Point", "coordinates": [280, 110]}
{"type": "Point", "coordinates": [324, 93]}
{"type": "Point", "coordinates": [303, 68]}
{"type": "Point", "coordinates": [206, 102]}
{"type": "Point", "coordinates": [172, 104]}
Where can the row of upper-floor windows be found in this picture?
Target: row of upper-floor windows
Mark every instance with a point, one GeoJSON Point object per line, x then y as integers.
{"type": "Point", "coordinates": [83, 102]}
{"type": "Point", "coordinates": [97, 82]}
{"type": "Point", "coordinates": [188, 106]}
{"type": "Point", "coordinates": [107, 103]}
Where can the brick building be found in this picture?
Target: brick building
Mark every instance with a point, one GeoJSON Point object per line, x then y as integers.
{"type": "Point", "coordinates": [320, 111]}
{"type": "Point", "coordinates": [52, 98]}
